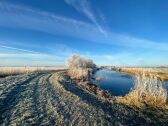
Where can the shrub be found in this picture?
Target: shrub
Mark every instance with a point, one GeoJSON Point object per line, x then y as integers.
{"type": "Point", "coordinates": [148, 91]}
{"type": "Point", "coordinates": [80, 67]}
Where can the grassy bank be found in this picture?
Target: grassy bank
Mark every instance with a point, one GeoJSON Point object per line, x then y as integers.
{"type": "Point", "coordinates": [148, 91]}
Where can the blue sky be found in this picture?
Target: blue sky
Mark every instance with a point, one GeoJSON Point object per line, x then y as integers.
{"type": "Point", "coordinates": [111, 32]}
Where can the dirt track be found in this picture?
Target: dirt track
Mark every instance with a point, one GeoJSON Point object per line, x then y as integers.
{"type": "Point", "coordinates": [46, 99]}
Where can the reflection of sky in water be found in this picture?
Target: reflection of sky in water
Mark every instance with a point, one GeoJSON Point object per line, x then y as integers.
{"type": "Point", "coordinates": [117, 83]}
{"type": "Point", "coordinates": [165, 84]}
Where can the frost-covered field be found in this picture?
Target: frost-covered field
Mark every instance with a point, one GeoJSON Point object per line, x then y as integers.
{"type": "Point", "coordinates": [47, 98]}
{"type": "Point", "coordinates": [6, 71]}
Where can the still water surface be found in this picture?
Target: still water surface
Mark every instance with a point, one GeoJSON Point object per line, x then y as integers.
{"type": "Point", "coordinates": [115, 82]}
{"type": "Point", "coordinates": [118, 84]}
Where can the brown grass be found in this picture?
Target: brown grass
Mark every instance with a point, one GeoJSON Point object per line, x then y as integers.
{"type": "Point", "coordinates": [7, 71]}
{"type": "Point", "coordinates": [148, 92]}
{"type": "Point", "coordinates": [161, 73]}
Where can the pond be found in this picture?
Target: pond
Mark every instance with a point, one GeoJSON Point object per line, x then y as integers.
{"type": "Point", "coordinates": [118, 84]}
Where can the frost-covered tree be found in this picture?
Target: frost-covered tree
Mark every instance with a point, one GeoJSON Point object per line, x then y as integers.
{"type": "Point", "coordinates": [80, 67]}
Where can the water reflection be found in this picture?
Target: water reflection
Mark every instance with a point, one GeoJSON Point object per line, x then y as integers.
{"type": "Point", "coordinates": [118, 84]}
{"type": "Point", "coordinates": [115, 82]}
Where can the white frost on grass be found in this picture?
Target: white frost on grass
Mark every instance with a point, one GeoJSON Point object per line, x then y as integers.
{"type": "Point", "coordinates": [148, 91]}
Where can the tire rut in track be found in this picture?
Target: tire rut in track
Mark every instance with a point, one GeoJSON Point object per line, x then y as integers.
{"type": "Point", "coordinates": [32, 104]}
{"type": "Point", "coordinates": [43, 110]}
{"type": "Point", "coordinates": [8, 83]}
{"type": "Point", "coordinates": [73, 109]}
{"type": "Point", "coordinates": [11, 104]}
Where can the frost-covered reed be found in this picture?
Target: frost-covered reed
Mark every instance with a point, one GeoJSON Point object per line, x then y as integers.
{"type": "Point", "coordinates": [147, 91]}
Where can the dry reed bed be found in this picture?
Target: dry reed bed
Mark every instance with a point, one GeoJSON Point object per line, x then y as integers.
{"type": "Point", "coordinates": [148, 91]}
{"type": "Point", "coordinates": [7, 71]}
{"type": "Point", "coordinates": [160, 73]}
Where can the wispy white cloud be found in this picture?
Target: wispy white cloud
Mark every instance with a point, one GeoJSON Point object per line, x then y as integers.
{"type": "Point", "coordinates": [17, 49]}
{"type": "Point", "coordinates": [129, 59]}
{"type": "Point", "coordinates": [19, 56]}
{"type": "Point", "coordinates": [30, 59]}
{"type": "Point", "coordinates": [11, 51]}
{"type": "Point", "coordinates": [60, 49]}
{"type": "Point", "coordinates": [26, 60]}
{"type": "Point", "coordinates": [83, 6]}
{"type": "Point", "coordinates": [52, 49]}
{"type": "Point", "coordinates": [31, 56]}
{"type": "Point", "coordinates": [118, 59]}
{"type": "Point", "coordinates": [28, 18]}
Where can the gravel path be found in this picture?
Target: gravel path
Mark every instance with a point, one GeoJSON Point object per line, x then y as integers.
{"type": "Point", "coordinates": [48, 99]}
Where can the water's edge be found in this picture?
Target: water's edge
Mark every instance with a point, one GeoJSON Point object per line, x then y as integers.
{"type": "Point", "coordinates": [117, 83]}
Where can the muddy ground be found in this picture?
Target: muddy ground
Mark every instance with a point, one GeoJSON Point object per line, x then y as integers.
{"type": "Point", "coordinates": [50, 99]}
